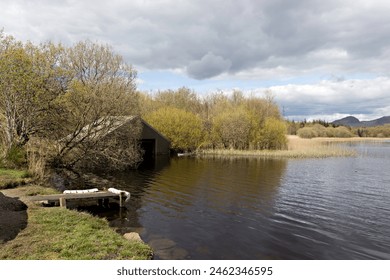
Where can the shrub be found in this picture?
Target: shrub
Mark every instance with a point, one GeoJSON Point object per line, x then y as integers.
{"type": "Point", "coordinates": [15, 157]}
{"type": "Point", "coordinates": [184, 129]}
{"type": "Point", "coordinates": [319, 130]}
{"type": "Point", "coordinates": [306, 132]}
{"type": "Point", "coordinates": [274, 134]}
{"type": "Point", "coordinates": [330, 131]}
{"type": "Point", "coordinates": [343, 132]}
{"type": "Point", "coordinates": [232, 129]}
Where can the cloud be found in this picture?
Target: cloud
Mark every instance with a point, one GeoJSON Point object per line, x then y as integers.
{"type": "Point", "coordinates": [299, 35]}
{"type": "Point", "coordinates": [269, 41]}
{"type": "Point", "coordinates": [367, 99]}
{"type": "Point", "coordinates": [209, 66]}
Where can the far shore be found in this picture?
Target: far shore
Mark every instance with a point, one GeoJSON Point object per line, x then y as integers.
{"type": "Point", "coordinates": [321, 147]}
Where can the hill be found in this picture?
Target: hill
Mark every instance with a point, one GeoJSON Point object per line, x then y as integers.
{"type": "Point", "coordinates": [355, 122]}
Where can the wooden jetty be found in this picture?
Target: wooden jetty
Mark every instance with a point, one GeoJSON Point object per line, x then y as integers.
{"type": "Point", "coordinates": [101, 197]}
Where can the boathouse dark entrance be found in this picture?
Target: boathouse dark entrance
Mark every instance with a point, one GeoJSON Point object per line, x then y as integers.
{"type": "Point", "coordinates": [149, 148]}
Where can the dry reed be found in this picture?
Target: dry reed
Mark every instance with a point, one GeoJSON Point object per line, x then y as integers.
{"type": "Point", "coordinates": [300, 148]}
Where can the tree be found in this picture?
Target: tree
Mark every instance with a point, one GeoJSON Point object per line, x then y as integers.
{"type": "Point", "coordinates": [273, 135]}
{"type": "Point", "coordinates": [65, 97]}
{"type": "Point", "coordinates": [320, 130]}
{"type": "Point", "coordinates": [110, 146]}
{"type": "Point", "coordinates": [182, 98]}
{"type": "Point", "coordinates": [232, 129]}
{"type": "Point", "coordinates": [102, 90]}
{"type": "Point", "coordinates": [306, 132]}
{"type": "Point", "coordinates": [30, 81]}
{"type": "Point", "coordinates": [263, 108]}
{"type": "Point", "coordinates": [343, 132]}
{"type": "Point", "coordinates": [184, 129]}
{"type": "Point", "coordinates": [15, 78]}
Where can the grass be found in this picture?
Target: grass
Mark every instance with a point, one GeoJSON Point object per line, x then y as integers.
{"type": "Point", "coordinates": [10, 178]}
{"type": "Point", "coordinates": [54, 233]}
{"type": "Point", "coordinates": [300, 148]}
{"type": "Point", "coordinates": [61, 234]}
{"type": "Point", "coordinates": [29, 190]}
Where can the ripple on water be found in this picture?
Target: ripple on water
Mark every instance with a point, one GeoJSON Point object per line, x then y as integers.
{"type": "Point", "coordinates": [334, 208]}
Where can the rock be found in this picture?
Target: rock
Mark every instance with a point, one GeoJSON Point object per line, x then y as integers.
{"type": "Point", "coordinates": [132, 236]}
{"type": "Point", "coordinates": [13, 217]}
{"type": "Point", "coordinates": [11, 204]}
{"type": "Point", "coordinates": [179, 254]}
{"type": "Point", "coordinates": [161, 244]}
{"type": "Point", "coordinates": [171, 254]}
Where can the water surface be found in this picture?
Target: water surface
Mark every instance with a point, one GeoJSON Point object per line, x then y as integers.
{"type": "Point", "coordinates": [250, 208]}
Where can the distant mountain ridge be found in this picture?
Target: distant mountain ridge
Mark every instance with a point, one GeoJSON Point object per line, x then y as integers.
{"type": "Point", "coordinates": [355, 122]}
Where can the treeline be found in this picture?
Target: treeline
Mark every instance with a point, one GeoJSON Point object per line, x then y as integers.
{"type": "Point", "coordinates": [215, 121]}
{"type": "Point", "coordinates": [382, 131]}
{"type": "Point", "coordinates": [319, 128]}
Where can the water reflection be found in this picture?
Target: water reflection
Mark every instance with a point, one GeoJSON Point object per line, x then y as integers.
{"type": "Point", "coordinates": [249, 208]}
{"type": "Point", "coordinates": [137, 183]}
{"type": "Point", "coordinates": [197, 207]}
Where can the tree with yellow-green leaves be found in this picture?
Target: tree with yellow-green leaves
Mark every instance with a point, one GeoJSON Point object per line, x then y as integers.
{"type": "Point", "coordinates": [227, 122]}
{"type": "Point", "coordinates": [184, 129]}
{"type": "Point", "coordinates": [30, 82]}
{"type": "Point", "coordinates": [232, 129]}
{"type": "Point", "coordinates": [240, 122]}
{"type": "Point", "coordinates": [63, 96]}
{"type": "Point", "coordinates": [273, 135]}
{"type": "Point", "coordinates": [101, 91]}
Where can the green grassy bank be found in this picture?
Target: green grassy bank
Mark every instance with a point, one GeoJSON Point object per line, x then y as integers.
{"type": "Point", "coordinates": [10, 178]}
{"type": "Point", "coordinates": [54, 233]}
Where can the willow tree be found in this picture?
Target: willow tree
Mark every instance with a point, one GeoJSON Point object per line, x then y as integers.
{"type": "Point", "coordinates": [232, 129]}
{"type": "Point", "coordinates": [184, 129]}
{"type": "Point", "coordinates": [182, 98]}
{"type": "Point", "coordinates": [273, 135]}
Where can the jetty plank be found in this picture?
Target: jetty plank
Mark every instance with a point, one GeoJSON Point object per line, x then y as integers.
{"type": "Point", "coordinates": [63, 198]}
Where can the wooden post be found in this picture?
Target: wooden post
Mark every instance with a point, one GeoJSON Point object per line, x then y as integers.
{"type": "Point", "coordinates": [62, 202]}
{"type": "Point", "coordinates": [121, 199]}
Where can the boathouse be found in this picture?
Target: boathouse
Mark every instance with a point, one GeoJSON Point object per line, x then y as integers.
{"type": "Point", "coordinates": [152, 142]}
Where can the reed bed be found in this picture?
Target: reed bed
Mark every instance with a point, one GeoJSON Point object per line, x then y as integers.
{"type": "Point", "coordinates": [300, 148]}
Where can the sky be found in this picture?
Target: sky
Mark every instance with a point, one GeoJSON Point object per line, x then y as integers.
{"type": "Point", "coordinates": [320, 59]}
